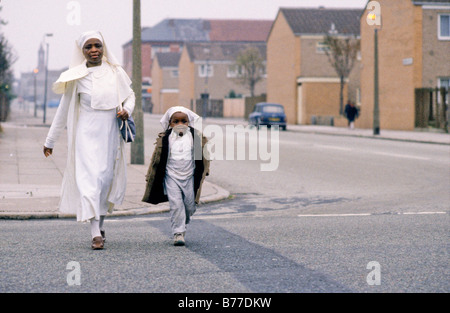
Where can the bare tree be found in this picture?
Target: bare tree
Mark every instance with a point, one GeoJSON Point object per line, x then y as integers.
{"type": "Point", "coordinates": [250, 68]}
{"type": "Point", "coordinates": [342, 53]}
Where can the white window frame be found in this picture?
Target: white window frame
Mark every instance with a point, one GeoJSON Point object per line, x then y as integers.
{"type": "Point", "coordinates": [234, 71]}
{"type": "Point", "coordinates": [440, 37]}
{"type": "Point", "coordinates": [439, 85]}
{"type": "Point", "coordinates": [322, 47]}
{"type": "Point", "coordinates": [205, 70]}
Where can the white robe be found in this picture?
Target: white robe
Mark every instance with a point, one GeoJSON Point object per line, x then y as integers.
{"type": "Point", "coordinates": [83, 135]}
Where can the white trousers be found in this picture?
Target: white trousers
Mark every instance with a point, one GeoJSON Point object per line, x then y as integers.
{"type": "Point", "coordinates": [181, 200]}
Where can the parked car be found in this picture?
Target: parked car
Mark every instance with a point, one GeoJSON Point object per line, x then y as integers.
{"type": "Point", "coordinates": [53, 103]}
{"type": "Point", "coordinates": [268, 114]}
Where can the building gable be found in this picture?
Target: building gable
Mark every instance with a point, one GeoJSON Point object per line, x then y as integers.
{"type": "Point", "coordinates": [168, 59]}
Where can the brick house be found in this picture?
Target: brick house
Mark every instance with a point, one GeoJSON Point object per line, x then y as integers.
{"type": "Point", "coordinates": [210, 68]}
{"type": "Point", "coordinates": [165, 81]}
{"type": "Point", "coordinates": [299, 75]}
{"type": "Point", "coordinates": [170, 35]}
{"type": "Point", "coordinates": [414, 52]}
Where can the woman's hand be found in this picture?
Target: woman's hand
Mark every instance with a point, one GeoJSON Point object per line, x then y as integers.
{"type": "Point", "coordinates": [123, 115]}
{"type": "Point", "coordinates": [47, 151]}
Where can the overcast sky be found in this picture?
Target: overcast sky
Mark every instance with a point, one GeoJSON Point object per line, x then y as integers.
{"type": "Point", "coordinates": [28, 21]}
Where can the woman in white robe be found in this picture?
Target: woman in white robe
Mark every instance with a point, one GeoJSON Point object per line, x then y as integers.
{"type": "Point", "coordinates": [95, 175]}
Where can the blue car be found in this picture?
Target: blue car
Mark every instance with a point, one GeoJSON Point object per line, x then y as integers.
{"type": "Point", "coordinates": [268, 114]}
{"type": "Point", "coordinates": [53, 103]}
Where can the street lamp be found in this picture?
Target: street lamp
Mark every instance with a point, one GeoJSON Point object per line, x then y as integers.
{"type": "Point", "coordinates": [374, 19]}
{"type": "Point", "coordinates": [205, 96]}
{"type": "Point", "coordinates": [376, 107]}
{"type": "Point", "coordinates": [46, 77]}
{"type": "Point", "coordinates": [35, 72]}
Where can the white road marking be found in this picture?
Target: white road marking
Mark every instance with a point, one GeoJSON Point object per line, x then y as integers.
{"type": "Point", "coordinates": [396, 155]}
{"type": "Point", "coordinates": [333, 147]}
{"type": "Point", "coordinates": [369, 214]}
{"type": "Point", "coordinates": [405, 156]}
{"type": "Point", "coordinates": [334, 215]}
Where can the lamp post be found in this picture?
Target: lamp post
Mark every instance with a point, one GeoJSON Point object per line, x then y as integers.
{"type": "Point", "coordinates": [35, 72]}
{"type": "Point", "coordinates": [374, 19]}
{"type": "Point", "coordinates": [205, 96]}
{"type": "Point", "coordinates": [46, 77]}
{"type": "Point", "coordinates": [376, 107]}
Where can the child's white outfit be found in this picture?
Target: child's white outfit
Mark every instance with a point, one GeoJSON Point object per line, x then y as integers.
{"type": "Point", "coordinates": [177, 170]}
{"type": "Point", "coordinates": [179, 180]}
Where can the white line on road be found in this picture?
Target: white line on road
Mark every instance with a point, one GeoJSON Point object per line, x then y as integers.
{"type": "Point", "coordinates": [402, 156]}
{"type": "Point", "coordinates": [334, 215]}
{"type": "Point", "coordinates": [332, 147]}
{"type": "Point", "coordinates": [396, 155]}
{"type": "Point", "coordinates": [367, 214]}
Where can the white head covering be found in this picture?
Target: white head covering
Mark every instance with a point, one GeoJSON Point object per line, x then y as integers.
{"type": "Point", "coordinates": [77, 55]}
{"type": "Point", "coordinates": [89, 35]}
{"type": "Point", "coordinates": [166, 117]}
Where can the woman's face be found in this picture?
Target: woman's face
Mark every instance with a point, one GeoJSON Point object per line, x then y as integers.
{"type": "Point", "coordinates": [179, 118]}
{"type": "Point", "coordinates": [93, 52]}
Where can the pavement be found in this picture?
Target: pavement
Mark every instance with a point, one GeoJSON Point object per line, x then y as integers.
{"type": "Point", "coordinates": [30, 183]}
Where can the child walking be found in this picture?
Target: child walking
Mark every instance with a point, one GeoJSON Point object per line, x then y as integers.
{"type": "Point", "coordinates": [177, 169]}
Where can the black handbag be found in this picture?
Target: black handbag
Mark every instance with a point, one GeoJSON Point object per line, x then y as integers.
{"type": "Point", "coordinates": [127, 128]}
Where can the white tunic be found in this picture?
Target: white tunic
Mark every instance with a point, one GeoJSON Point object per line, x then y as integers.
{"type": "Point", "coordinates": [180, 163]}
{"type": "Point", "coordinates": [96, 147]}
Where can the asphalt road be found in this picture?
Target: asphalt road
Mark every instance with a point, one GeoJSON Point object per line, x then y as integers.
{"type": "Point", "coordinates": [338, 215]}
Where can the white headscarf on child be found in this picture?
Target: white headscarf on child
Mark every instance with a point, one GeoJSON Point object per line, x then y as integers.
{"type": "Point", "coordinates": [166, 117]}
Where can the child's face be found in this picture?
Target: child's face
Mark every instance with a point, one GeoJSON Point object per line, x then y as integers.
{"type": "Point", "coordinates": [179, 118]}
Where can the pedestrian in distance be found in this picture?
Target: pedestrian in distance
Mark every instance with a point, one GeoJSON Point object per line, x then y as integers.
{"type": "Point", "coordinates": [351, 112]}
{"type": "Point", "coordinates": [177, 169]}
{"type": "Point", "coordinates": [93, 89]}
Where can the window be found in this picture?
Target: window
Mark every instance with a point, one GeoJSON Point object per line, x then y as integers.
{"type": "Point", "coordinates": [234, 71]}
{"type": "Point", "coordinates": [174, 73]}
{"type": "Point", "coordinates": [443, 82]}
{"type": "Point", "coordinates": [157, 49]}
{"type": "Point", "coordinates": [272, 109]}
{"type": "Point", "coordinates": [444, 27]}
{"type": "Point", "coordinates": [322, 47]}
{"type": "Point", "coordinates": [205, 70]}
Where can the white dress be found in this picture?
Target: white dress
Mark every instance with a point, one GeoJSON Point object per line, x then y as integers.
{"type": "Point", "coordinates": [95, 175]}
{"type": "Point", "coordinates": [96, 148]}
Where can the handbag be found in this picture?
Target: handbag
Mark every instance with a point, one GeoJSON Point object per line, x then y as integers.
{"type": "Point", "coordinates": [127, 128]}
